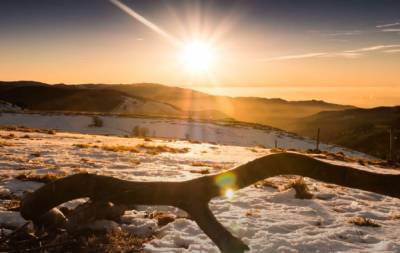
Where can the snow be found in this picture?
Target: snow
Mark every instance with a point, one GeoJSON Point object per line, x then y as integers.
{"type": "Point", "coordinates": [266, 219]}
{"type": "Point", "coordinates": [144, 106]}
{"type": "Point", "coordinates": [8, 107]}
{"type": "Point", "coordinates": [221, 133]}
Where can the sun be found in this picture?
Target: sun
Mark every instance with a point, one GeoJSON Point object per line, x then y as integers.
{"type": "Point", "coordinates": [198, 56]}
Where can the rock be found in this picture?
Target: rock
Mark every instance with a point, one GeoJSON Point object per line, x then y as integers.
{"type": "Point", "coordinates": [163, 218]}
{"type": "Point", "coordinates": [104, 226]}
{"type": "Point", "coordinates": [52, 219]}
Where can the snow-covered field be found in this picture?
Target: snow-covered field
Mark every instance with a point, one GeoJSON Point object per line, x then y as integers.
{"type": "Point", "coordinates": [221, 133]}
{"type": "Point", "coordinates": [266, 219]}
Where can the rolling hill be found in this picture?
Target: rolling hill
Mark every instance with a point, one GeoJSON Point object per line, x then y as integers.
{"type": "Point", "coordinates": [43, 97]}
{"type": "Point", "coordinates": [274, 112]}
{"type": "Point", "coordinates": [365, 130]}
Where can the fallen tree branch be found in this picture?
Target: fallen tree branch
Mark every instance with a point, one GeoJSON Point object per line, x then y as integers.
{"type": "Point", "coordinates": [193, 195]}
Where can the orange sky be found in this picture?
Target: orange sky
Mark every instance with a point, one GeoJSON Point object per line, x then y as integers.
{"type": "Point", "coordinates": [357, 65]}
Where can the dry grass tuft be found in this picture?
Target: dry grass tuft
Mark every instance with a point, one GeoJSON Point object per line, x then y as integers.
{"type": "Point", "coordinates": [12, 204]}
{"type": "Point", "coordinates": [253, 213]}
{"type": "Point", "coordinates": [84, 241]}
{"type": "Point", "coordinates": [277, 150]}
{"type": "Point", "coordinates": [5, 144]}
{"type": "Point", "coordinates": [157, 149]}
{"type": "Point", "coordinates": [395, 216]}
{"type": "Point", "coordinates": [27, 129]}
{"type": "Point", "coordinates": [117, 241]}
{"type": "Point", "coordinates": [214, 165]}
{"type": "Point", "coordinates": [81, 145]}
{"type": "Point", "coordinates": [266, 183]}
{"type": "Point", "coordinates": [45, 178]}
{"type": "Point", "coordinates": [202, 171]}
{"type": "Point", "coordinates": [8, 137]}
{"type": "Point", "coordinates": [301, 188]}
{"type": "Point", "coordinates": [362, 221]}
{"type": "Point", "coordinates": [120, 148]}
{"type": "Point", "coordinates": [260, 146]}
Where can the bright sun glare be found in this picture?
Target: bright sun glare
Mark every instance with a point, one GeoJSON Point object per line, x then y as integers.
{"type": "Point", "coordinates": [198, 56]}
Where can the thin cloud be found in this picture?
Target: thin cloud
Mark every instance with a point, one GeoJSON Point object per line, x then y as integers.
{"type": "Point", "coordinates": [345, 55]}
{"type": "Point", "coordinates": [295, 57]}
{"type": "Point", "coordinates": [372, 48]}
{"type": "Point", "coordinates": [391, 30]}
{"type": "Point", "coordinates": [345, 33]}
{"type": "Point", "coordinates": [391, 51]}
{"type": "Point", "coordinates": [388, 25]}
{"type": "Point", "coordinates": [348, 54]}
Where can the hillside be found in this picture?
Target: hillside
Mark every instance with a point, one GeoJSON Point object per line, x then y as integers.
{"type": "Point", "coordinates": [268, 217]}
{"type": "Point", "coordinates": [227, 133]}
{"type": "Point", "coordinates": [8, 107]}
{"type": "Point", "coordinates": [166, 100]}
{"type": "Point", "coordinates": [43, 97]}
{"type": "Point", "coordinates": [274, 112]}
{"type": "Point", "coordinates": [366, 130]}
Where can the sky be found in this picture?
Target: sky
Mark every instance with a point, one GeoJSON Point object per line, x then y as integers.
{"type": "Point", "coordinates": [344, 51]}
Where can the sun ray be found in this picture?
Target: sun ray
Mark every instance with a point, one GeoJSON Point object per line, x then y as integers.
{"type": "Point", "coordinates": [146, 22]}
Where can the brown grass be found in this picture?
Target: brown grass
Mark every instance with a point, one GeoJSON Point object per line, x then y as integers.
{"type": "Point", "coordinates": [301, 188]}
{"type": "Point", "coordinates": [157, 149]}
{"type": "Point", "coordinates": [120, 148]}
{"type": "Point", "coordinates": [253, 213]}
{"type": "Point", "coordinates": [203, 171]}
{"type": "Point", "coordinates": [277, 150]}
{"type": "Point", "coordinates": [45, 178]}
{"type": "Point", "coordinates": [260, 146]}
{"type": "Point", "coordinates": [362, 221]}
{"type": "Point", "coordinates": [27, 129]}
{"type": "Point", "coordinates": [8, 137]}
{"type": "Point", "coordinates": [5, 144]}
{"type": "Point", "coordinates": [83, 241]}
{"type": "Point", "coordinates": [81, 145]}
{"type": "Point", "coordinates": [217, 166]}
{"type": "Point", "coordinates": [266, 183]}
{"type": "Point", "coordinates": [12, 205]}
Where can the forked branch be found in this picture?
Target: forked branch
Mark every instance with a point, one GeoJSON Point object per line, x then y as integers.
{"type": "Point", "coordinates": [193, 195]}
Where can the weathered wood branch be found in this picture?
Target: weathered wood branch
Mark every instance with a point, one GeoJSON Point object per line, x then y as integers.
{"type": "Point", "coordinates": [193, 195]}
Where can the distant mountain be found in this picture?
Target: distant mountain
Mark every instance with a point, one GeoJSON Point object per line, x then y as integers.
{"type": "Point", "coordinates": [39, 96]}
{"type": "Point", "coordinates": [274, 112]}
{"type": "Point", "coordinates": [365, 130]}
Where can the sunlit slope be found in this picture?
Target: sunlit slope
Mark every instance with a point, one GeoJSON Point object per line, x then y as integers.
{"type": "Point", "coordinates": [274, 112]}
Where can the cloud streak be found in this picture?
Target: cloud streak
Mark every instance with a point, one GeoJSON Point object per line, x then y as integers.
{"type": "Point", "coordinates": [348, 54]}
{"type": "Point", "coordinates": [391, 30]}
{"type": "Point", "coordinates": [372, 48]}
{"type": "Point", "coordinates": [388, 25]}
{"type": "Point", "coordinates": [294, 57]}
{"type": "Point", "coordinates": [345, 33]}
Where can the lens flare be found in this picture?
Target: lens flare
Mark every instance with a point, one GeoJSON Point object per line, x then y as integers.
{"type": "Point", "coordinates": [229, 193]}
{"type": "Point", "coordinates": [227, 184]}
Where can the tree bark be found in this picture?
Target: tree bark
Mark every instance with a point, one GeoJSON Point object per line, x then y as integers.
{"type": "Point", "coordinates": [193, 195]}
